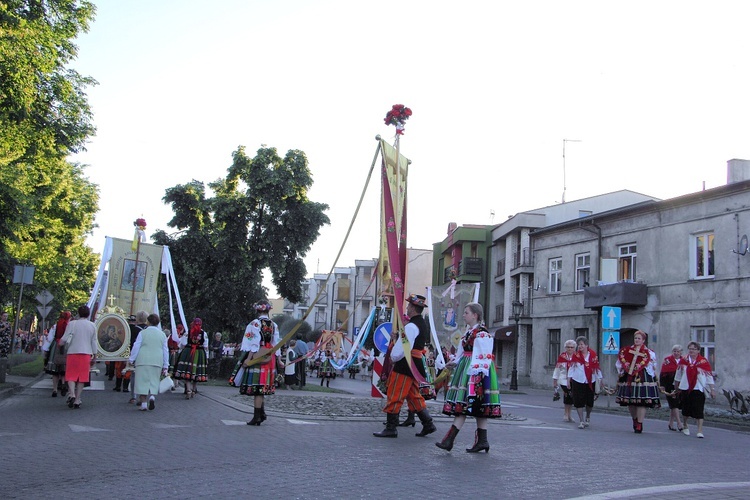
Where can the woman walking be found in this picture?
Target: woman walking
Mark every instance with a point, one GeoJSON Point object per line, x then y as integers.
{"type": "Point", "coordinates": [81, 354]}
{"type": "Point", "coordinates": [560, 378]}
{"type": "Point", "coordinates": [694, 378]}
{"type": "Point", "coordinates": [583, 375]}
{"type": "Point", "coordinates": [259, 379]}
{"type": "Point", "coordinates": [666, 384]}
{"type": "Point", "coordinates": [473, 388]}
{"type": "Point", "coordinates": [55, 354]}
{"type": "Point", "coordinates": [192, 360]}
{"type": "Point", "coordinates": [637, 387]}
{"type": "Point", "coordinates": [150, 355]}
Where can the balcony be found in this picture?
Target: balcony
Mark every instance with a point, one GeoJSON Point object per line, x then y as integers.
{"type": "Point", "coordinates": [622, 294]}
{"type": "Point", "coordinates": [522, 259]}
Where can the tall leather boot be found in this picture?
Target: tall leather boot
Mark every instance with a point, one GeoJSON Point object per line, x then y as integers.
{"type": "Point", "coordinates": [256, 417]}
{"type": "Point", "coordinates": [428, 426]}
{"type": "Point", "coordinates": [447, 442]}
{"type": "Point", "coordinates": [118, 385]}
{"type": "Point", "coordinates": [391, 426]}
{"type": "Point", "coordinates": [125, 385]}
{"type": "Point", "coordinates": [263, 416]}
{"type": "Point", "coordinates": [480, 442]}
{"type": "Point", "coordinates": [409, 420]}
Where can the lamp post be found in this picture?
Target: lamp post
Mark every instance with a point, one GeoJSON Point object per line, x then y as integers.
{"type": "Point", "coordinates": [517, 310]}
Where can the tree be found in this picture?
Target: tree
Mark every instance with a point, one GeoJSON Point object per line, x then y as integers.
{"type": "Point", "coordinates": [259, 218]}
{"type": "Point", "coordinates": [46, 204]}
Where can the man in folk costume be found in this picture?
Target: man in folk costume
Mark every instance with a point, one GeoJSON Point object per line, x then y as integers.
{"type": "Point", "coordinates": [583, 375]}
{"type": "Point", "coordinates": [637, 387]}
{"type": "Point", "coordinates": [402, 383]}
{"type": "Point", "coordinates": [694, 378]}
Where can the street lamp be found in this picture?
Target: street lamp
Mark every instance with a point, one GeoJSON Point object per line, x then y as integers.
{"type": "Point", "coordinates": [517, 310]}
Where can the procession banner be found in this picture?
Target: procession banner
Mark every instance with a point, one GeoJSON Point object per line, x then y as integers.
{"type": "Point", "coordinates": [446, 307]}
{"type": "Point", "coordinates": [133, 276]}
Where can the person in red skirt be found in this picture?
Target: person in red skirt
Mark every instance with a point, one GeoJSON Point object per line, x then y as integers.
{"type": "Point", "coordinates": [81, 354]}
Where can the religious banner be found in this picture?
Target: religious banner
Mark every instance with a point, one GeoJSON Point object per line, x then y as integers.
{"type": "Point", "coordinates": [446, 305]}
{"type": "Point", "coordinates": [133, 276]}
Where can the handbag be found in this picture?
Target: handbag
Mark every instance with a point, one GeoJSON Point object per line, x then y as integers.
{"type": "Point", "coordinates": [166, 384]}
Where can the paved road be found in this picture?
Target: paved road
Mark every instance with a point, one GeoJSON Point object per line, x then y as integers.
{"type": "Point", "coordinates": [202, 448]}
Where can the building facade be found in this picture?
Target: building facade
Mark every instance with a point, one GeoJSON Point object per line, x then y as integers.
{"type": "Point", "coordinates": [678, 269]}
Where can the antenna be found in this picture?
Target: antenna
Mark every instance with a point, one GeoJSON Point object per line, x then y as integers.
{"type": "Point", "coordinates": [564, 184]}
{"type": "Point", "coordinates": [492, 215]}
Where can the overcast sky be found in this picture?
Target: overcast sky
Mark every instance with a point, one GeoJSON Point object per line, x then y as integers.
{"type": "Point", "coordinates": [657, 93]}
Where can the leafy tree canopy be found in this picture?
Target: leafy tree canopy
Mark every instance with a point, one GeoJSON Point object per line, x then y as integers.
{"type": "Point", "coordinates": [259, 217]}
{"type": "Point", "coordinates": [47, 205]}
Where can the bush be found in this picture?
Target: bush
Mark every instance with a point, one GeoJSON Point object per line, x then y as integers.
{"type": "Point", "coordinates": [26, 365]}
{"type": "Point", "coordinates": [222, 368]}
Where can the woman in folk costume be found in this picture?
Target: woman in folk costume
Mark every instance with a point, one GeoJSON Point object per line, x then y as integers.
{"type": "Point", "coordinates": [326, 371]}
{"type": "Point", "coordinates": [694, 378]}
{"type": "Point", "coordinates": [560, 377]}
{"type": "Point", "coordinates": [637, 387]}
{"type": "Point", "coordinates": [192, 360]}
{"type": "Point", "coordinates": [55, 357]}
{"type": "Point", "coordinates": [259, 379]}
{"type": "Point", "coordinates": [666, 384]}
{"type": "Point", "coordinates": [473, 388]}
{"type": "Point", "coordinates": [150, 356]}
{"type": "Point", "coordinates": [583, 375]}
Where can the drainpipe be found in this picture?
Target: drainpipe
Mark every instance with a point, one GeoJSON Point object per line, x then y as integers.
{"type": "Point", "coordinates": [598, 232]}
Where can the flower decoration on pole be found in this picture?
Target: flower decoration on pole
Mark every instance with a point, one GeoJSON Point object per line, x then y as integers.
{"type": "Point", "coordinates": [397, 116]}
{"type": "Point", "coordinates": [140, 233]}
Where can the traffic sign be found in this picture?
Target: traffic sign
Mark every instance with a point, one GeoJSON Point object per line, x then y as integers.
{"type": "Point", "coordinates": [44, 297]}
{"type": "Point", "coordinates": [611, 342]}
{"type": "Point", "coordinates": [382, 336]}
{"type": "Point", "coordinates": [611, 317]}
{"type": "Point", "coordinates": [44, 310]}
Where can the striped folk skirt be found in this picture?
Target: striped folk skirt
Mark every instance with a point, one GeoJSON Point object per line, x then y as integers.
{"type": "Point", "coordinates": [640, 390]}
{"type": "Point", "coordinates": [191, 365]}
{"type": "Point", "coordinates": [473, 395]}
{"type": "Point", "coordinates": [259, 379]}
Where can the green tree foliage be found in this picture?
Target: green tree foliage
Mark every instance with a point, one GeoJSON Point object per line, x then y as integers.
{"type": "Point", "coordinates": [47, 205]}
{"type": "Point", "coordinates": [286, 323]}
{"type": "Point", "coordinates": [258, 218]}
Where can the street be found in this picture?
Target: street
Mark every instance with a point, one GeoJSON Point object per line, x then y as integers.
{"type": "Point", "coordinates": [202, 448]}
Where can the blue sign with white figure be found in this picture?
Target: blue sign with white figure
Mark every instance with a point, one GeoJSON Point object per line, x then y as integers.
{"type": "Point", "coordinates": [610, 342]}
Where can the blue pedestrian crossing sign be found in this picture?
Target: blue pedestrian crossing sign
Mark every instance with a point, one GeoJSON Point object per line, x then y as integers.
{"type": "Point", "coordinates": [610, 342]}
{"type": "Point", "coordinates": [611, 317]}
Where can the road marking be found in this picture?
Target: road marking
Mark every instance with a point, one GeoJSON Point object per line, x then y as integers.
{"type": "Point", "coordinates": [233, 422]}
{"type": "Point", "coordinates": [521, 405]}
{"type": "Point", "coordinates": [543, 427]}
{"type": "Point", "coordinates": [300, 422]}
{"type": "Point", "coordinates": [661, 490]}
{"type": "Point", "coordinates": [83, 428]}
{"type": "Point", "coordinates": [169, 426]}
{"type": "Point", "coordinates": [3, 434]}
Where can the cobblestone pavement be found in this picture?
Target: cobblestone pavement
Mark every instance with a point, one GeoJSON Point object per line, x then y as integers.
{"type": "Point", "coordinates": [313, 446]}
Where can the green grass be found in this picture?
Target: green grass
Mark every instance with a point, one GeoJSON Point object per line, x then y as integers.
{"type": "Point", "coordinates": [29, 368]}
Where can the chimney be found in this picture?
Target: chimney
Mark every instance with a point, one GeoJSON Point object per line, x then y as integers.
{"type": "Point", "coordinates": [738, 171]}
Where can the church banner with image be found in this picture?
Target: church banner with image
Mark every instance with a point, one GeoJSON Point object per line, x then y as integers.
{"type": "Point", "coordinates": [446, 309]}
{"type": "Point", "coordinates": [133, 276]}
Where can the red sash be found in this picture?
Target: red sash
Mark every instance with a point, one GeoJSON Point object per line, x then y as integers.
{"type": "Point", "coordinates": [700, 364]}
{"type": "Point", "coordinates": [669, 365]}
{"type": "Point", "coordinates": [564, 362]}
{"type": "Point", "coordinates": [588, 366]}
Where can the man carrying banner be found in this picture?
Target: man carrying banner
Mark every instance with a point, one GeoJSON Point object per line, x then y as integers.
{"type": "Point", "coordinates": [403, 383]}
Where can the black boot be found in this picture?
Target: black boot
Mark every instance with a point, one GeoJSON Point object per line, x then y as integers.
{"type": "Point", "coordinates": [256, 417]}
{"type": "Point", "coordinates": [447, 442]}
{"type": "Point", "coordinates": [409, 420]}
{"type": "Point", "coordinates": [263, 413]}
{"type": "Point", "coordinates": [480, 442]}
{"type": "Point", "coordinates": [118, 385]}
{"type": "Point", "coordinates": [126, 385]}
{"type": "Point", "coordinates": [391, 425]}
{"type": "Point", "coordinates": [428, 426]}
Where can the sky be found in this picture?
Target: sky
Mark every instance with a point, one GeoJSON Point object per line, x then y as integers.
{"type": "Point", "coordinates": [655, 93]}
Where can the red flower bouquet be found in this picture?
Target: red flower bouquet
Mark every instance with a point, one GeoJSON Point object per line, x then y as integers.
{"type": "Point", "coordinates": [397, 116]}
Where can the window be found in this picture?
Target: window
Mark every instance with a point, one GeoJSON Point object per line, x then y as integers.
{"type": "Point", "coordinates": [626, 263]}
{"type": "Point", "coordinates": [705, 336]}
{"type": "Point", "coordinates": [702, 256]}
{"type": "Point", "coordinates": [583, 332]}
{"type": "Point", "coordinates": [583, 270]}
{"type": "Point", "coordinates": [555, 275]}
{"type": "Point", "coordinates": [554, 346]}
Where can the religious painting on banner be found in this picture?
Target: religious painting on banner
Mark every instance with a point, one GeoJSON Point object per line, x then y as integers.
{"type": "Point", "coordinates": [133, 276]}
{"type": "Point", "coordinates": [447, 310]}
